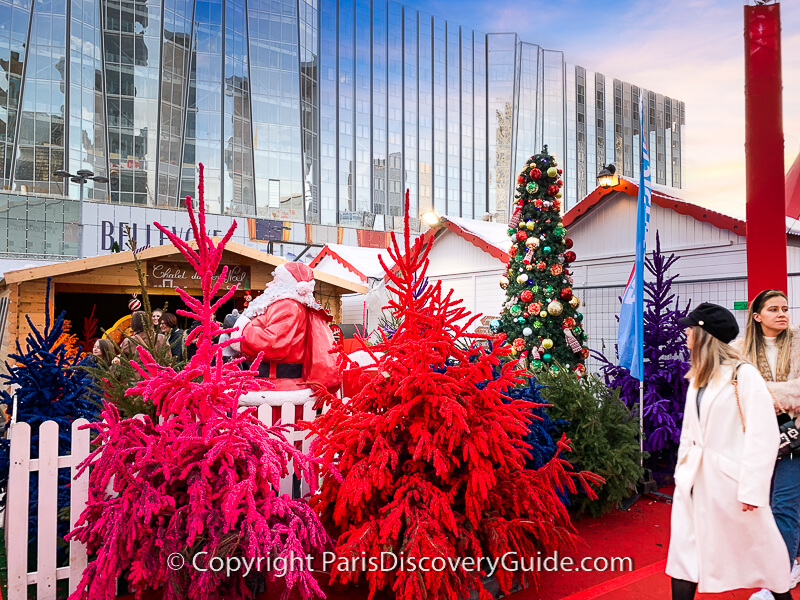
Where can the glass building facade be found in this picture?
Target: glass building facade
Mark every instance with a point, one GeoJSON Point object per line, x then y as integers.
{"type": "Point", "coordinates": [309, 111]}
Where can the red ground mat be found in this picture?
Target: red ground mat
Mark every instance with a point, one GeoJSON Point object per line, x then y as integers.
{"type": "Point", "coordinates": [640, 533]}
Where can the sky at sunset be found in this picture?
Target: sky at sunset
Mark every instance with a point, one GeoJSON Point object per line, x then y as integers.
{"type": "Point", "coordinates": [692, 50]}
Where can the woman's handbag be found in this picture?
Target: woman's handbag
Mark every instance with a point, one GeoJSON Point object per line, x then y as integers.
{"type": "Point", "coordinates": [790, 435]}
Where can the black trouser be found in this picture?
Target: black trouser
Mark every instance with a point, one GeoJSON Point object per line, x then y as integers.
{"type": "Point", "coordinates": [684, 590]}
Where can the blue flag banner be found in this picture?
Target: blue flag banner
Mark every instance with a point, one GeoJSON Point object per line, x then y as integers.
{"type": "Point", "coordinates": [630, 339]}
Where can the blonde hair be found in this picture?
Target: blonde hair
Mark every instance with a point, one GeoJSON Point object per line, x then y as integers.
{"type": "Point", "coordinates": [754, 335]}
{"type": "Point", "coordinates": [708, 354]}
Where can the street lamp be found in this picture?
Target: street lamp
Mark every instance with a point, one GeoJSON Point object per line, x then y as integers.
{"type": "Point", "coordinates": [81, 178]}
{"type": "Point", "coordinates": [431, 218]}
{"type": "Point", "coordinates": [607, 177]}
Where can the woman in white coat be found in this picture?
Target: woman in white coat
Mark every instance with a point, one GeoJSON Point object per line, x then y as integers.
{"type": "Point", "coordinates": [724, 536]}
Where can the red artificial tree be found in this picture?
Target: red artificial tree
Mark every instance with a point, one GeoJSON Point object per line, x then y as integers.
{"type": "Point", "coordinates": [204, 480]}
{"type": "Point", "coordinates": [427, 460]}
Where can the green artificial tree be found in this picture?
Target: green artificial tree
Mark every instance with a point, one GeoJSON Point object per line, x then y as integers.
{"type": "Point", "coordinates": [540, 316]}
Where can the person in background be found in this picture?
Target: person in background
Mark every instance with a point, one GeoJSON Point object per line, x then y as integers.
{"type": "Point", "coordinates": [139, 337]}
{"type": "Point", "coordinates": [723, 535]}
{"type": "Point", "coordinates": [174, 336]}
{"type": "Point", "coordinates": [157, 314]}
{"type": "Point", "coordinates": [103, 353]}
{"type": "Point", "coordinates": [773, 346]}
{"type": "Point", "coordinates": [229, 322]}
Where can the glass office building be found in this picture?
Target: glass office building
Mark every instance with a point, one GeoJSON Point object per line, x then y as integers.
{"type": "Point", "coordinates": [308, 111]}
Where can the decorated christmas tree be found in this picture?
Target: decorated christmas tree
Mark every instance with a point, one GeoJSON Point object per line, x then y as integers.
{"type": "Point", "coordinates": [666, 362]}
{"type": "Point", "coordinates": [540, 316]}
{"type": "Point", "coordinates": [427, 460]}
{"type": "Point", "coordinates": [204, 483]}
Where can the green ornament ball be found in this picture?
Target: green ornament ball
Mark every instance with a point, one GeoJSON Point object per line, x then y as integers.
{"type": "Point", "coordinates": [519, 258]}
{"type": "Point", "coordinates": [547, 357]}
{"type": "Point", "coordinates": [549, 290]}
{"type": "Point", "coordinates": [560, 231]}
{"type": "Point", "coordinates": [577, 330]}
{"type": "Point", "coordinates": [532, 187]}
{"type": "Point", "coordinates": [537, 364]}
{"type": "Point", "coordinates": [579, 316]}
{"type": "Point", "coordinates": [554, 369]}
{"type": "Point", "coordinates": [535, 289]}
{"type": "Point", "coordinates": [547, 249]}
{"type": "Point", "coordinates": [511, 231]}
{"type": "Point", "coordinates": [537, 324]}
{"type": "Point", "coordinates": [516, 310]}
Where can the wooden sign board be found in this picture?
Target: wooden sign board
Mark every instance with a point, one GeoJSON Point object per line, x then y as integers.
{"type": "Point", "coordinates": [485, 329]}
{"type": "Point", "coordinates": [165, 274]}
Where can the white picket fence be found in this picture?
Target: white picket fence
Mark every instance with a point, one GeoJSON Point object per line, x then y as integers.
{"type": "Point", "coordinates": [47, 465]}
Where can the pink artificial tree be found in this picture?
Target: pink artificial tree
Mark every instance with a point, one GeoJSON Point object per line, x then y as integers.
{"type": "Point", "coordinates": [204, 480]}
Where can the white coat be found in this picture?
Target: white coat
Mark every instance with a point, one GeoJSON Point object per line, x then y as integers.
{"type": "Point", "coordinates": [713, 542]}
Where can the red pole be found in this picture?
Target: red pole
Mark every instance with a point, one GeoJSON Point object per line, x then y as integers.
{"type": "Point", "coordinates": [766, 204]}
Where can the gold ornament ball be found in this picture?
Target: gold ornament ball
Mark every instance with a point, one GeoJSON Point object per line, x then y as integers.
{"type": "Point", "coordinates": [552, 172]}
{"type": "Point", "coordinates": [547, 343]}
{"type": "Point", "coordinates": [555, 308]}
{"type": "Point", "coordinates": [543, 314]}
{"type": "Point", "coordinates": [504, 282]}
{"type": "Point", "coordinates": [575, 302]}
{"type": "Point", "coordinates": [530, 224]}
{"type": "Point", "coordinates": [529, 268]}
{"type": "Point", "coordinates": [559, 194]}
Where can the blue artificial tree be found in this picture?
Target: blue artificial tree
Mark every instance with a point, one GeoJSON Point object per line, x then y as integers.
{"type": "Point", "coordinates": [665, 364]}
{"type": "Point", "coordinates": [49, 385]}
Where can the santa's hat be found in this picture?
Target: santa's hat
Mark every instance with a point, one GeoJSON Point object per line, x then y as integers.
{"type": "Point", "coordinates": [292, 281]}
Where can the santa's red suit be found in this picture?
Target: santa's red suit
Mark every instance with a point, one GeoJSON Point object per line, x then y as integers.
{"type": "Point", "coordinates": [290, 329]}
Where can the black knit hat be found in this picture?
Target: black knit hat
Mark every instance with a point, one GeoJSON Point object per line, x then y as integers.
{"type": "Point", "coordinates": [715, 320]}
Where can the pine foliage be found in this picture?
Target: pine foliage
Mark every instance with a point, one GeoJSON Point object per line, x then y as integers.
{"type": "Point", "coordinates": [603, 435]}
{"type": "Point", "coordinates": [205, 480]}
{"type": "Point", "coordinates": [427, 459]}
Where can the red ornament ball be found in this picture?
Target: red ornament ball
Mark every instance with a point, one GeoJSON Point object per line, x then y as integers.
{"type": "Point", "coordinates": [579, 369]}
{"type": "Point", "coordinates": [552, 190]}
{"type": "Point", "coordinates": [560, 183]}
{"type": "Point", "coordinates": [556, 204]}
{"type": "Point", "coordinates": [541, 265]}
{"type": "Point", "coordinates": [518, 344]}
{"type": "Point", "coordinates": [134, 304]}
{"type": "Point", "coordinates": [570, 256]}
{"type": "Point", "coordinates": [568, 242]}
{"type": "Point", "coordinates": [512, 251]}
{"type": "Point", "coordinates": [568, 323]}
{"type": "Point", "coordinates": [538, 204]}
{"type": "Point", "coordinates": [526, 296]}
{"type": "Point", "coordinates": [521, 179]}
{"type": "Point", "coordinates": [522, 235]}
{"type": "Point", "coordinates": [535, 173]}
{"type": "Point", "coordinates": [534, 308]}
{"type": "Point", "coordinates": [560, 171]}
{"type": "Point", "coordinates": [585, 353]}
{"type": "Point", "coordinates": [566, 294]}
{"type": "Point", "coordinates": [556, 269]}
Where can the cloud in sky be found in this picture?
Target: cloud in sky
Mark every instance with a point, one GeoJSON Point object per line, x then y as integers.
{"type": "Point", "coordinates": [691, 50]}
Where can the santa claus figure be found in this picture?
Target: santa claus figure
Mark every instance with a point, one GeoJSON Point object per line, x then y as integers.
{"type": "Point", "coordinates": [290, 329]}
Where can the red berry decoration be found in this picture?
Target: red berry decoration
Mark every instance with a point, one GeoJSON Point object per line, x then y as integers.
{"type": "Point", "coordinates": [560, 183]}
{"type": "Point", "coordinates": [526, 296]}
{"type": "Point", "coordinates": [556, 204]}
{"type": "Point", "coordinates": [570, 256]}
{"type": "Point", "coordinates": [552, 190]}
{"type": "Point", "coordinates": [538, 204]}
{"type": "Point", "coordinates": [560, 171]}
{"type": "Point", "coordinates": [566, 294]}
{"type": "Point", "coordinates": [579, 369]}
{"type": "Point", "coordinates": [541, 266]}
{"type": "Point", "coordinates": [512, 251]}
{"type": "Point", "coordinates": [535, 173]}
{"type": "Point", "coordinates": [568, 242]}
{"type": "Point", "coordinates": [585, 353]}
